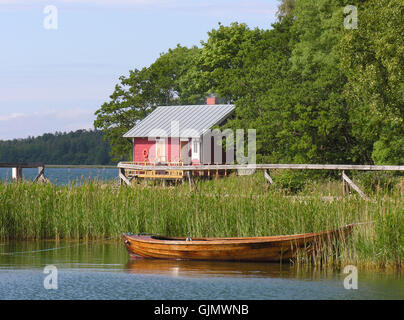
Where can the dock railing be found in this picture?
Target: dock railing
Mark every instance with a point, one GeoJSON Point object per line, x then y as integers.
{"type": "Point", "coordinates": [17, 170]}
{"type": "Point", "coordinates": [190, 169]}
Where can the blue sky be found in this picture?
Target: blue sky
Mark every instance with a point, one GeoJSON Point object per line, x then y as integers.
{"type": "Point", "coordinates": [54, 80]}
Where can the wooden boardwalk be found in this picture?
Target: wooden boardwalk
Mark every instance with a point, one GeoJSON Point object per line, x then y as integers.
{"type": "Point", "coordinates": [188, 171]}
{"type": "Point", "coordinates": [340, 167]}
{"type": "Point", "coordinates": [17, 169]}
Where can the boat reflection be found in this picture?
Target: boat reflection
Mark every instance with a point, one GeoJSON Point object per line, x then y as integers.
{"type": "Point", "coordinates": [192, 268]}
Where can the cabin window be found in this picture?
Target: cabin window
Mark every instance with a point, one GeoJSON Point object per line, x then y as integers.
{"type": "Point", "coordinates": [195, 147]}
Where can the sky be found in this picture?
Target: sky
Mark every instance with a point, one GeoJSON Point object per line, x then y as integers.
{"type": "Point", "coordinates": [60, 60]}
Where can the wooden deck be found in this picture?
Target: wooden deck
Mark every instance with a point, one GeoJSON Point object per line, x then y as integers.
{"type": "Point", "coordinates": [340, 167]}
{"type": "Point", "coordinates": [17, 170]}
{"type": "Point", "coordinates": [154, 173]}
{"type": "Point", "coordinates": [169, 171]}
{"type": "Point", "coordinates": [177, 171]}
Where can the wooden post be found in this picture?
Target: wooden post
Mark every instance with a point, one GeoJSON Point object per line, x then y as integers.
{"type": "Point", "coordinates": [41, 174]}
{"type": "Point", "coordinates": [17, 174]}
{"type": "Point", "coordinates": [123, 178]}
{"type": "Point", "coordinates": [343, 183]}
{"type": "Point", "coordinates": [353, 185]}
{"type": "Point", "coordinates": [189, 174]}
{"type": "Point", "coordinates": [268, 177]}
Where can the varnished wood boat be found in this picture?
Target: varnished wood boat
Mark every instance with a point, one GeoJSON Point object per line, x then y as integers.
{"type": "Point", "coordinates": [273, 248]}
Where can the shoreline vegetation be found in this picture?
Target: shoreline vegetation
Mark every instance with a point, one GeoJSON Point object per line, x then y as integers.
{"type": "Point", "coordinates": [80, 147]}
{"type": "Point", "coordinates": [230, 207]}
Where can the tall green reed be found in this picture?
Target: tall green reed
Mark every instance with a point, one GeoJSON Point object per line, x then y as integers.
{"type": "Point", "coordinates": [235, 206]}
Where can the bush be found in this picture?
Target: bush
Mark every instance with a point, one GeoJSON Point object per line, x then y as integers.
{"type": "Point", "coordinates": [292, 181]}
{"type": "Point", "coordinates": [375, 181]}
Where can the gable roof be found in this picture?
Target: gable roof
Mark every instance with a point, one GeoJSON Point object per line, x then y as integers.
{"type": "Point", "coordinates": [190, 121]}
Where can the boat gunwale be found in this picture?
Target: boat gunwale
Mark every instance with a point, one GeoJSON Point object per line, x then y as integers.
{"type": "Point", "coordinates": [238, 240]}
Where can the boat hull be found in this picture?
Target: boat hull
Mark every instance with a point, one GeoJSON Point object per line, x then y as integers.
{"type": "Point", "coordinates": [270, 249]}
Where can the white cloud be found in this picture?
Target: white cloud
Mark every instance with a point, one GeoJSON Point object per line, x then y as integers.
{"type": "Point", "coordinates": [11, 116]}
{"type": "Point", "coordinates": [22, 125]}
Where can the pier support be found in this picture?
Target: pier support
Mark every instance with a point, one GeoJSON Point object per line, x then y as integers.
{"type": "Point", "coordinates": [16, 170]}
{"type": "Point", "coordinates": [268, 177]}
{"type": "Point", "coordinates": [41, 175]}
{"type": "Point", "coordinates": [122, 177]}
{"type": "Point", "coordinates": [352, 185]}
{"type": "Point", "coordinates": [17, 173]}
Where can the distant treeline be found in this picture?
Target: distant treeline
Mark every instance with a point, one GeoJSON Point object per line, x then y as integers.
{"type": "Point", "coordinates": [81, 147]}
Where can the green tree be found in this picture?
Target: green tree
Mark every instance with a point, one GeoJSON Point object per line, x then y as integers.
{"type": "Point", "coordinates": [79, 147]}
{"type": "Point", "coordinates": [285, 8]}
{"type": "Point", "coordinates": [373, 58]}
{"type": "Point", "coordinates": [315, 125]}
{"type": "Point", "coordinates": [242, 65]}
{"type": "Point", "coordinates": [140, 93]}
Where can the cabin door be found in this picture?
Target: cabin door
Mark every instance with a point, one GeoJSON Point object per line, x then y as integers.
{"type": "Point", "coordinates": [185, 152]}
{"type": "Point", "coordinates": [196, 150]}
{"type": "Point", "coordinates": [160, 150]}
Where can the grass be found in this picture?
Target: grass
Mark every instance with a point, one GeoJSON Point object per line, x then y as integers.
{"type": "Point", "coordinates": [235, 206]}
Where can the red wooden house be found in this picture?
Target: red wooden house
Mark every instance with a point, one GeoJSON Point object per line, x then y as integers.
{"type": "Point", "coordinates": [174, 134]}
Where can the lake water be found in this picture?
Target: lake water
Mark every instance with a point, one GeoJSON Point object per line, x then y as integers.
{"type": "Point", "coordinates": [65, 176]}
{"type": "Point", "coordinates": [103, 270]}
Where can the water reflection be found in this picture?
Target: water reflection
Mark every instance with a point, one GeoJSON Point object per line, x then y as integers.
{"type": "Point", "coordinates": [183, 268]}
{"type": "Point", "coordinates": [65, 254]}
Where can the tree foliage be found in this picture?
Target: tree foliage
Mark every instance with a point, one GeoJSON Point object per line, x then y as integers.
{"type": "Point", "coordinates": [78, 148]}
{"type": "Point", "coordinates": [141, 92]}
{"type": "Point", "coordinates": [373, 59]}
{"type": "Point", "coordinates": [314, 91]}
{"type": "Point", "coordinates": [285, 8]}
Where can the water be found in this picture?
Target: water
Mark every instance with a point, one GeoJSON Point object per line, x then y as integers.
{"type": "Point", "coordinates": [65, 176]}
{"type": "Point", "coordinates": [103, 270]}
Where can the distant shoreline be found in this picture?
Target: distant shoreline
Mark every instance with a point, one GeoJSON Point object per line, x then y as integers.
{"type": "Point", "coordinates": [80, 166]}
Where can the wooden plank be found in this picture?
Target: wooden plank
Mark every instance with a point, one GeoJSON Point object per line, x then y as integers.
{"type": "Point", "coordinates": [123, 177]}
{"type": "Point", "coordinates": [268, 177]}
{"type": "Point", "coordinates": [264, 167]}
{"type": "Point", "coordinates": [353, 185]}
{"type": "Point", "coordinates": [343, 184]}
{"type": "Point", "coordinates": [21, 165]}
{"type": "Point", "coordinates": [40, 176]}
{"type": "Point", "coordinates": [17, 174]}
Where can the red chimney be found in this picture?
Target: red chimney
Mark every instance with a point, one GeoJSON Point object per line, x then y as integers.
{"type": "Point", "coordinates": [211, 100]}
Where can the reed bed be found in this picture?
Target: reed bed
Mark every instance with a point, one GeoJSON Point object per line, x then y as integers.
{"type": "Point", "coordinates": [235, 206]}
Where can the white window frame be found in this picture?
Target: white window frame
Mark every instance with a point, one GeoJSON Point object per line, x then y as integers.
{"type": "Point", "coordinates": [196, 152]}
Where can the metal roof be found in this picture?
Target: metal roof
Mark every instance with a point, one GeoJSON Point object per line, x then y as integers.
{"type": "Point", "coordinates": [190, 121]}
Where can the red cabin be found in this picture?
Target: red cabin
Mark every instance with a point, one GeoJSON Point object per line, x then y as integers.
{"type": "Point", "coordinates": [176, 134]}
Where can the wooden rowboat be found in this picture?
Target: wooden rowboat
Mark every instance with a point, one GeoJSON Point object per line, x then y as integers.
{"type": "Point", "coordinates": [273, 249]}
